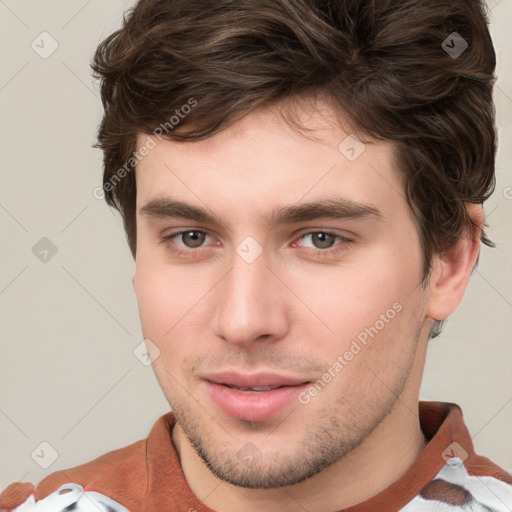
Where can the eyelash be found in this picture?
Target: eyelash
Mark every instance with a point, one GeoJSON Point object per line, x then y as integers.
{"type": "Point", "coordinates": [166, 241]}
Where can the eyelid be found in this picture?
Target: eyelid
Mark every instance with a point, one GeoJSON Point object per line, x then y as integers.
{"type": "Point", "coordinates": [344, 233]}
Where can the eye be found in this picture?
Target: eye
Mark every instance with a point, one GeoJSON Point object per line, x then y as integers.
{"type": "Point", "coordinates": [195, 242]}
{"type": "Point", "coordinates": [323, 244]}
{"type": "Point", "coordinates": [191, 239]}
{"type": "Point", "coordinates": [186, 241]}
{"type": "Point", "coordinates": [322, 239]}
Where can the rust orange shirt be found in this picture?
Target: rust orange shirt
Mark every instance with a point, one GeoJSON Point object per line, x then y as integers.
{"type": "Point", "coordinates": [146, 476]}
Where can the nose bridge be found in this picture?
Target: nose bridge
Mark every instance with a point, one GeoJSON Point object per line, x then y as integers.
{"type": "Point", "coordinates": [248, 306]}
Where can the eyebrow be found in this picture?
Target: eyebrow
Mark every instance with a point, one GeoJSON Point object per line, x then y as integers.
{"type": "Point", "coordinates": [329, 208]}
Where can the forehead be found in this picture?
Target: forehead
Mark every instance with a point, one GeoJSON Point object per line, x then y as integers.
{"type": "Point", "coordinates": [262, 161]}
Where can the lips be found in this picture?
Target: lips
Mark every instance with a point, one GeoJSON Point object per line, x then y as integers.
{"type": "Point", "coordinates": [256, 397]}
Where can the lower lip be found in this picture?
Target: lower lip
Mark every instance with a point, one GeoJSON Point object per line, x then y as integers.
{"type": "Point", "coordinates": [256, 406]}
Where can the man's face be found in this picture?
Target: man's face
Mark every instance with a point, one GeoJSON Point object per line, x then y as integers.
{"type": "Point", "coordinates": [266, 290]}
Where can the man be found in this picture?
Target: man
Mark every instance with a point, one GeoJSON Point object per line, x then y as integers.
{"type": "Point", "coordinates": [302, 193]}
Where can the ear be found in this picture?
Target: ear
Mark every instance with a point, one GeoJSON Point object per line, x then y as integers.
{"type": "Point", "coordinates": [452, 269]}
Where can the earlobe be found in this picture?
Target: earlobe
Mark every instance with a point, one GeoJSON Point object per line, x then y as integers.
{"type": "Point", "coordinates": [452, 269]}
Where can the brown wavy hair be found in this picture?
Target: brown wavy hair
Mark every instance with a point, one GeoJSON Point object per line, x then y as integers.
{"type": "Point", "coordinates": [385, 63]}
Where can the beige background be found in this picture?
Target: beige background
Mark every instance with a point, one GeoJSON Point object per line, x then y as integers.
{"type": "Point", "coordinates": [68, 376]}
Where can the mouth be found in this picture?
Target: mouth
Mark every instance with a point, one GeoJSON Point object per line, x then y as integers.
{"type": "Point", "coordinates": [254, 389]}
{"type": "Point", "coordinates": [256, 397]}
{"type": "Point", "coordinates": [262, 381]}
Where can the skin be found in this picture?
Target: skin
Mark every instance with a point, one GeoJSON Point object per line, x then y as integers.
{"type": "Point", "coordinates": [293, 310]}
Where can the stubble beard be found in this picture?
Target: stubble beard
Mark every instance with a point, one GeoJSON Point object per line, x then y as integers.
{"type": "Point", "coordinates": [325, 441]}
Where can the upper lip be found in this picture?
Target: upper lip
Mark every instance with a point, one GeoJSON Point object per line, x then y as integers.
{"type": "Point", "coordinates": [263, 379]}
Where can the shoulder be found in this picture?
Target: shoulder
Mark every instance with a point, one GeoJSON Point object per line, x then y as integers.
{"type": "Point", "coordinates": [479, 485]}
{"type": "Point", "coordinates": [116, 477]}
{"type": "Point", "coordinates": [70, 497]}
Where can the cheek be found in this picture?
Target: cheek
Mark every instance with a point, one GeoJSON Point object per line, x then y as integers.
{"type": "Point", "coordinates": [164, 311]}
{"type": "Point", "coordinates": [351, 298]}
{"type": "Point", "coordinates": [174, 307]}
{"type": "Point", "coordinates": [163, 298]}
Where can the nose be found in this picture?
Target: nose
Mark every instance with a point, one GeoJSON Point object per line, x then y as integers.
{"type": "Point", "coordinates": [249, 304]}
